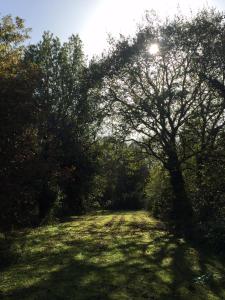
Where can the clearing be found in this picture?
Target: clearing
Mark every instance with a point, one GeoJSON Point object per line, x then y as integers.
{"type": "Point", "coordinates": [106, 256]}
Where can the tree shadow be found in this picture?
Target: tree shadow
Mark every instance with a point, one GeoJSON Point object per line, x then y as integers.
{"type": "Point", "coordinates": [118, 264]}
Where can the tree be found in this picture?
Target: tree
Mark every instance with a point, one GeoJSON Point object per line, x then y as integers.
{"type": "Point", "coordinates": [66, 124]}
{"type": "Point", "coordinates": [17, 124]}
{"type": "Point", "coordinates": [161, 102]}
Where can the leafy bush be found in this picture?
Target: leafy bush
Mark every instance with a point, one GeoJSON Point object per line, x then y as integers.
{"type": "Point", "coordinates": [159, 193]}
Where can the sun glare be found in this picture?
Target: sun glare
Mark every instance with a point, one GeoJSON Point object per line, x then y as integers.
{"type": "Point", "coordinates": [121, 17]}
{"type": "Point", "coordinates": [153, 49]}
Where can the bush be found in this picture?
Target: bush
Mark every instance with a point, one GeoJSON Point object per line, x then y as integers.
{"type": "Point", "coordinates": [159, 193]}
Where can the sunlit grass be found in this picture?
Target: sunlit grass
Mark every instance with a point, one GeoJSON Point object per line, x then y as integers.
{"type": "Point", "coordinates": [124, 255]}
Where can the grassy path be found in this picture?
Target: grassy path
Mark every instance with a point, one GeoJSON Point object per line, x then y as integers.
{"type": "Point", "coordinates": [108, 256]}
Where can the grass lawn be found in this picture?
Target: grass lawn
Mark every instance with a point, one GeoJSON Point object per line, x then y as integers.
{"type": "Point", "coordinates": [124, 255]}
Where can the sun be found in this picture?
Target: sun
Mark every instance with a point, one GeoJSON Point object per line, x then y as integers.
{"type": "Point", "coordinates": [153, 49]}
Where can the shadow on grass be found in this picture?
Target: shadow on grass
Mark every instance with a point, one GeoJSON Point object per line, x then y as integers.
{"type": "Point", "coordinates": [116, 266]}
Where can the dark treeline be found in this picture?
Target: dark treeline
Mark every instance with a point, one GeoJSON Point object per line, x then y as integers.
{"type": "Point", "coordinates": [130, 130]}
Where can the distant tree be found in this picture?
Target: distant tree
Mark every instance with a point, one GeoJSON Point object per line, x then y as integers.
{"type": "Point", "coordinates": [121, 175]}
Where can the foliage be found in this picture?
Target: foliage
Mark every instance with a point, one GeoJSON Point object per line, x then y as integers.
{"type": "Point", "coordinates": [17, 125]}
{"type": "Point", "coordinates": [47, 128]}
{"type": "Point", "coordinates": [63, 124]}
{"type": "Point", "coordinates": [121, 176]}
{"type": "Point", "coordinates": [159, 193]}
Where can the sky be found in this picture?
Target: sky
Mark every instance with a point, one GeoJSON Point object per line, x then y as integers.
{"type": "Point", "coordinates": [94, 19]}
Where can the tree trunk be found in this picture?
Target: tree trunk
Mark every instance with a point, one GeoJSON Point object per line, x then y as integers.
{"type": "Point", "coordinates": [182, 212]}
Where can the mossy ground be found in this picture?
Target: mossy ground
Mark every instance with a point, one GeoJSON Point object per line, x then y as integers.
{"type": "Point", "coordinates": [108, 256]}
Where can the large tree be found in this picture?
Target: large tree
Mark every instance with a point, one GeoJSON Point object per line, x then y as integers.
{"type": "Point", "coordinates": [161, 100]}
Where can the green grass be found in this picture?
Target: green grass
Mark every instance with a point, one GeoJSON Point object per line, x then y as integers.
{"type": "Point", "coordinates": [125, 255]}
